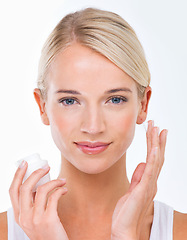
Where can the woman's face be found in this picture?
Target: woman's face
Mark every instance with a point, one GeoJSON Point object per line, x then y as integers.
{"type": "Point", "coordinates": [101, 105]}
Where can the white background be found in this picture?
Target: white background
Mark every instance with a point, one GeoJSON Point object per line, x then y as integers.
{"type": "Point", "coordinates": [161, 28]}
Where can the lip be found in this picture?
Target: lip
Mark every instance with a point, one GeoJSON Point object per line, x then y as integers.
{"type": "Point", "coordinates": [92, 147]}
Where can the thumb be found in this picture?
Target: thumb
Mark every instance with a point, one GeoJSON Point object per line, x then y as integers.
{"type": "Point", "coordinates": [137, 175]}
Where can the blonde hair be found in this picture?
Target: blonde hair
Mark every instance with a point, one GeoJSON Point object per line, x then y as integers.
{"type": "Point", "coordinates": [105, 32]}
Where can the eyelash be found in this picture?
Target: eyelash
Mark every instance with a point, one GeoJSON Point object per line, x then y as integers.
{"type": "Point", "coordinates": [62, 100]}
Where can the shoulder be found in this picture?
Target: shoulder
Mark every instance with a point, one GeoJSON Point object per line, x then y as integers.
{"type": "Point", "coordinates": [3, 226]}
{"type": "Point", "coordinates": [179, 225]}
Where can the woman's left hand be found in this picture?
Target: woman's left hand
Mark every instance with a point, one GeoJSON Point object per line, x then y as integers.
{"type": "Point", "coordinates": [130, 211]}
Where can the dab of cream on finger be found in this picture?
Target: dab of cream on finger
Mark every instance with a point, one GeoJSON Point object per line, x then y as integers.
{"type": "Point", "coordinates": [155, 150]}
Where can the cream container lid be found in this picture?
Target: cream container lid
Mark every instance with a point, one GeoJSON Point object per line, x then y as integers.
{"type": "Point", "coordinates": [34, 162]}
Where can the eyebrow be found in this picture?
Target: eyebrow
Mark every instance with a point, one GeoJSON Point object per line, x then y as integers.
{"type": "Point", "coordinates": [114, 90]}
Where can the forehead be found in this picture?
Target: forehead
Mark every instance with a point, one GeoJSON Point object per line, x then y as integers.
{"type": "Point", "coordinates": [82, 68]}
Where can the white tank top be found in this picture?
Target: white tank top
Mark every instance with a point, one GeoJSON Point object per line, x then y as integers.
{"type": "Point", "coordinates": [162, 227]}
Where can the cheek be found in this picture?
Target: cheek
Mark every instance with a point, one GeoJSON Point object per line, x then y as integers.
{"type": "Point", "coordinates": [124, 128]}
{"type": "Point", "coordinates": [127, 123]}
{"type": "Point", "coordinates": [124, 122]}
{"type": "Point", "coordinates": [62, 127]}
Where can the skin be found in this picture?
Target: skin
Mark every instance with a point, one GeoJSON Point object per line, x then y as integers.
{"type": "Point", "coordinates": [98, 188]}
{"type": "Point", "coordinates": [92, 117]}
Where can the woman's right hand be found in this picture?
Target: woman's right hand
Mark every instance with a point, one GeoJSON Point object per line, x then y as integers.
{"type": "Point", "coordinates": [37, 216]}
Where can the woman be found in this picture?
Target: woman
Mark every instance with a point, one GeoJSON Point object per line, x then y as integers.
{"type": "Point", "coordinates": [93, 88]}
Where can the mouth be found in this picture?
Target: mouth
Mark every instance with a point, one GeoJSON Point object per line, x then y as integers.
{"type": "Point", "coordinates": [92, 147]}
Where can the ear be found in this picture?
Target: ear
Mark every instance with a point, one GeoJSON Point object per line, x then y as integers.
{"type": "Point", "coordinates": [41, 105]}
{"type": "Point", "coordinates": [142, 115]}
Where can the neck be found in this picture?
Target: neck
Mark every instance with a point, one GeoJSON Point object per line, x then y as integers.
{"type": "Point", "coordinates": [91, 194]}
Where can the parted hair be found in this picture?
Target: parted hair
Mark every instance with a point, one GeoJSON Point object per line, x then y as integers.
{"type": "Point", "coordinates": [104, 32]}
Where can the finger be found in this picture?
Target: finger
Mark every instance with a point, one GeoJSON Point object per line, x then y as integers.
{"type": "Point", "coordinates": [149, 136]}
{"type": "Point", "coordinates": [162, 143]}
{"type": "Point", "coordinates": [15, 186]}
{"type": "Point", "coordinates": [149, 175]}
{"type": "Point", "coordinates": [155, 144]}
{"type": "Point", "coordinates": [137, 175]}
{"type": "Point", "coordinates": [155, 137]}
{"type": "Point", "coordinates": [153, 164]}
{"type": "Point", "coordinates": [159, 140]}
{"type": "Point", "coordinates": [42, 192]}
{"type": "Point", "coordinates": [149, 179]}
{"type": "Point", "coordinates": [25, 200]}
{"type": "Point", "coordinates": [152, 142]}
{"type": "Point", "coordinates": [152, 161]}
{"type": "Point", "coordinates": [53, 200]}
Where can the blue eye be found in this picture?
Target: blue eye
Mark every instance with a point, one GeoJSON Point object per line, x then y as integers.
{"type": "Point", "coordinates": [67, 101]}
{"type": "Point", "coordinates": [71, 101]}
{"type": "Point", "coordinates": [117, 100]}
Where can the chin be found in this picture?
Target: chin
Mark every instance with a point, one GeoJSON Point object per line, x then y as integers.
{"type": "Point", "coordinates": [92, 171]}
{"type": "Point", "coordinates": [93, 166]}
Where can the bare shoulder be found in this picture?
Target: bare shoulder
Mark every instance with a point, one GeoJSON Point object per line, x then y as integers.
{"type": "Point", "coordinates": [179, 226]}
{"type": "Point", "coordinates": [3, 226]}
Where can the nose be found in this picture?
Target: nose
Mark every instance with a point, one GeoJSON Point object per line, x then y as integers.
{"type": "Point", "coordinates": [93, 121]}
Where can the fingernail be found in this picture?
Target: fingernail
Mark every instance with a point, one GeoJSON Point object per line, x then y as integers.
{"type": "Point", "coordinates": [45, 166]}
{"type": "Point", "coordinates": [22, 164]}
{"type": "Point", "coordinates": [150, 123]}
